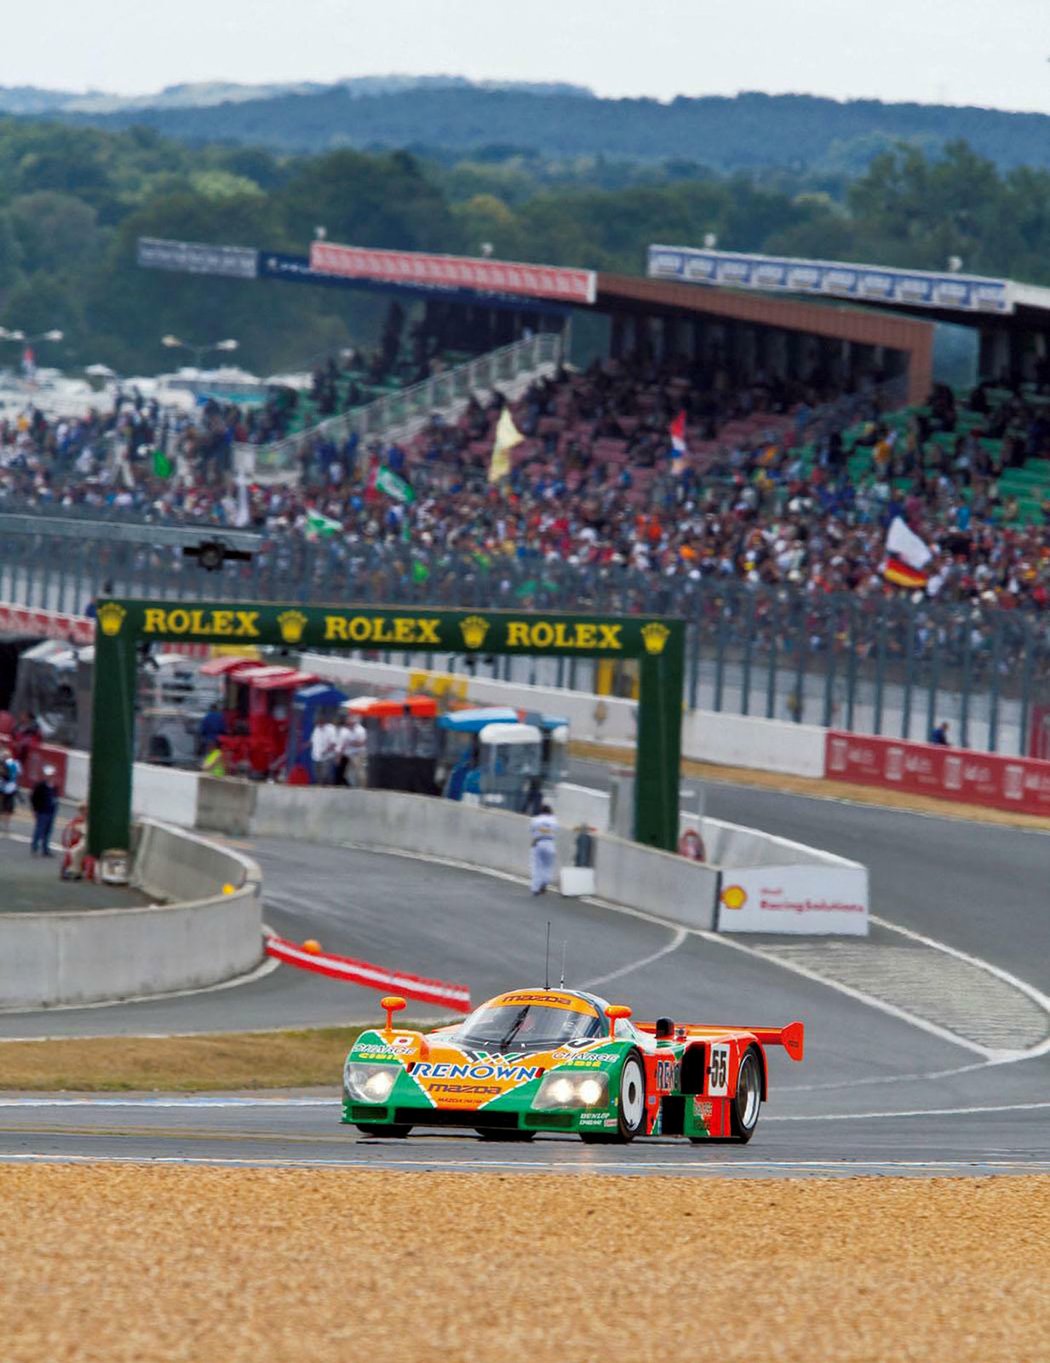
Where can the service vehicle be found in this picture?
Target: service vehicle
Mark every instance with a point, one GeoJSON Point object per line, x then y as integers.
{"type": "Point", "coordinates": [562, 1060]}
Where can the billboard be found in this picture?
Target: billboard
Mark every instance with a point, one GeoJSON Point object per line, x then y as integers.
{"type": "Point", "coordinates": [194, 257]}
{"type": "Point", "coordinates": [1021, 784]}
{"type": "Point", "coordinates": [807, 900]}
{"type": "Point", "coordinates": [298, 270]}
{"type": "Point", "coordinates": [830, 278]}
{"type": "Point", "coordinates": [454, 272]}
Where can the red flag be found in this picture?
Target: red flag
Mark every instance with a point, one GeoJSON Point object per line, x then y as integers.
{"type": "Point", "coordinates": [677, 433]}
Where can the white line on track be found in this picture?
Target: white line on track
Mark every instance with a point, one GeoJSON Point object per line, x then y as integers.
{"type": "Point", "coordinates": [676, 941]}
{"type": "Point", "coordinates": [912, 1112]}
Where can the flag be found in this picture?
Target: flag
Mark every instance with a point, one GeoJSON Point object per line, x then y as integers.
{"type": "Point", "coordinates": [386, 480]}
{"type": "Point", "coordinates": [318, 526]}
{"type": "Point", "coordinates": [162, 465]}
{"type": "Point", "coordinates": [676, 430]}
{"type": "Point", "coordinates": [243, 516]}
{"type": "Point", "coordinates": [507, 436]}
{"type": "Point", "coordinates": [902, 574]}
{"type": "Point", "coordinates": [903, 543]}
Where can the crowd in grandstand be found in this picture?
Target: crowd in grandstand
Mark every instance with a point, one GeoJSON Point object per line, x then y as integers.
{"type": "Point", "coordinates": [768, 491]}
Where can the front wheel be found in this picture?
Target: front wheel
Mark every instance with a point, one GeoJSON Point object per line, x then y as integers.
{"type": "Point", "coordinates": [395, 1130]}
{"type": "Point", "coordinates": [747, 1103]}
{"type": "Point", "coordinates": [630, 1112]}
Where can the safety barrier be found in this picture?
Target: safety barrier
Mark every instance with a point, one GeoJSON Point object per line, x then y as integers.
{"type": "Point", "coordinates": [164, 793]}
{"type": "Point", "coordinates": [750, 882]}
{"type": "Point", "coordinates": [660, 883]}
{"type": "Point", "coordinates": [204, 936]}
{"type": "Point", "coordinates": [1018, 784]}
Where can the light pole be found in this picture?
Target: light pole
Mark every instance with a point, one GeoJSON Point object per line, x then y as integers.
{"type": "Point", "coordinates": [198, 351]}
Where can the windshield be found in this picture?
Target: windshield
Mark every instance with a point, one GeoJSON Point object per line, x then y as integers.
{"type": "Point", "coordinates": [532, 1025]}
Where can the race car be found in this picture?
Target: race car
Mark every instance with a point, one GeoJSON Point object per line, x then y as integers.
{"type": "Point", "coordinates": [562, 1060]}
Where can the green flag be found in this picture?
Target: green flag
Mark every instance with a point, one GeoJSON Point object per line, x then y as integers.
{"type": "Point", "coordinates": [162, 465]}
{"type": "Point", "coordinates": [316, 524]}
{"type": "Point", "coordinates": [394, 485]}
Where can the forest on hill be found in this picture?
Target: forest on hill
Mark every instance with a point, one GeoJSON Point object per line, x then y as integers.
{"type": "Point", "coordinates": [749, 131]}
{"type": "Point", "coordinates": [74, 200]}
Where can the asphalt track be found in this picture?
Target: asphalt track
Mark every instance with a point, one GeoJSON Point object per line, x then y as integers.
{"type": "Point", "coordinates": [875, 1095]}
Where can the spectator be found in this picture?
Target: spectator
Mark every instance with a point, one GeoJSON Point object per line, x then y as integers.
{"type": "Point", "coordinates": [939, 734]}
{"type": "Point", "coordinates": [44, 802]}
{"type": "Point", "coordinates": [74, 840]}
{"type": "Point", "coordinates": [10, 774]}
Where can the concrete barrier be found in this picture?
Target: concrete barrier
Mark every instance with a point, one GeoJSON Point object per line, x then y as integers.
{"type": "Point", "coordinates": [164, 793]}
{"type": "Point", "coordinates": [667, 886]}
{"type": "Point", "coordinates": [108, 954]}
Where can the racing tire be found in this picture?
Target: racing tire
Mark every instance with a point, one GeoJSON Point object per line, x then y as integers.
{"type": "Point", "coordinates": [630, 1111]}
{"type": "Point", "coordinates": [395, 1130]}
{"type": "Point", "coordinates": [493, 1133]}
{"type": "Point", "coordinates": [747, 1102]}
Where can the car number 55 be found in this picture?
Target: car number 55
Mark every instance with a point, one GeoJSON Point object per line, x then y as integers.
{"type": "Point", "coordinates": [718, 1072]}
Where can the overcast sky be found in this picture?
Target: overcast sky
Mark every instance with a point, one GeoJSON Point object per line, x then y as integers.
{"type": "Point", "coordinates": [990, 52]}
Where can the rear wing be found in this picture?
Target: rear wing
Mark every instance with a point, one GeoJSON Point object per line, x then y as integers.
{"type": "Point", "coordinates": [792, 1037]}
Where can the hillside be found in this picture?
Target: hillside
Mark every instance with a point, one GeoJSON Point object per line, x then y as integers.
{"type": "Point", "coordinates": [746, 132]}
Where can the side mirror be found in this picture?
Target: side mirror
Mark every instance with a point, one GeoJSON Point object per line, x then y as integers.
{"type": "Point", "coordinates": [614, 1012]}
{"type": "Point", "coordinates": [393, 1003]}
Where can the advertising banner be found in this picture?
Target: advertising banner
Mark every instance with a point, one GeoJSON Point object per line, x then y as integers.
{"type": "Point", "coordinates": [454, 272]}
{"type": "Point", "coordinates": [861, 283]}
{"type": "Point", "coordinates": [1021, 784]}
{"type": "Point", "coordinates": [194, 257]}
{"type": "Point", "coordinates": [803, 900]}
{"type": "Point", "coordinates": [298, 270]}
{"type": "Point", "coordinates": [41, 624]}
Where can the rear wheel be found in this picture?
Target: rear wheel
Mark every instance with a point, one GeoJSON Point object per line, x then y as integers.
{"type": "Point", "coordinates": [494, 1133]}
{"type": "Point", "coordinates": [747, 1104]}
{"type": "Point", "coordinates": [395, 1130]}
{"type": "Point", "coordinates": [630, 1111]}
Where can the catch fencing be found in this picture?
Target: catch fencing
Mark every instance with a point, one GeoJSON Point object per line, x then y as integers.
{"type": "Point", "coordinates": [866, 664]}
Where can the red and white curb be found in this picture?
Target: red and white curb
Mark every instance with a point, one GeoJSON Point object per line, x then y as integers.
{"type": "Point", "coordinates": [454, 996]}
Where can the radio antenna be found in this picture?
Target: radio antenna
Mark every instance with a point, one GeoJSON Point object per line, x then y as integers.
{"type": "Point", "coordinates": [564, 948]}
{"type": "Point", "coordinates": [547, 961]}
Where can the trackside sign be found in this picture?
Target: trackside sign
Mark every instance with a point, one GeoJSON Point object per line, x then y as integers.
{"type": "Point", "coordinates": [811, 900]}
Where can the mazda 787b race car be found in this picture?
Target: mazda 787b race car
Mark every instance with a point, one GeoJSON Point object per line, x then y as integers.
{"type": "Point", "coordinates": [562, 1060]}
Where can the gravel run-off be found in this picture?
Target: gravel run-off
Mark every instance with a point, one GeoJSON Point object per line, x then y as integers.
{"type": "Point", "coordinates": [131, 1262]}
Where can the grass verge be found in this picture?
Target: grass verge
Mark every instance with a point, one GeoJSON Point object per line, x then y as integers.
{"type": "Point", "coordinates": [235, 1060]}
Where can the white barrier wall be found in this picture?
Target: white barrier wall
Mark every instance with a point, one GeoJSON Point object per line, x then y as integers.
{"type": "Point", "coordinates": [750, 881]}
{"type": "Point", "coordinates": [707, 736]}
{"type": "Point", "coordinates": [107, 954]}
{"type": "Point", "coordinates": [660, 883]}
{"type": "Point", "coordinates": [163, 793]}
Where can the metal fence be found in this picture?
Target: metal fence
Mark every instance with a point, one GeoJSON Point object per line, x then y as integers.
{"type": "Point", "coordinates": [400, 409]}
{"type": "Point", "coordinates": [873, 665]}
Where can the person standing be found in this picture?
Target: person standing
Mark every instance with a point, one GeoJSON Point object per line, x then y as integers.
{"type": "Point", "coordinates": [323, 751]}
{"type": "Point", "coordinates": [351, 745]}
{"type": "Point", "coordinates": [44, 801]}
{"type": "Point", "coordinates": [543, 857]}
{"type": "Point", "coordinates": [10, 772]}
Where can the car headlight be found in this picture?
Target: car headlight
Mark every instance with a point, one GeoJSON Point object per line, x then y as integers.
{"type": "Point", "coordinates": [369, 1083]}
{"type": "Point", "coordinates": [563, 1088]}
